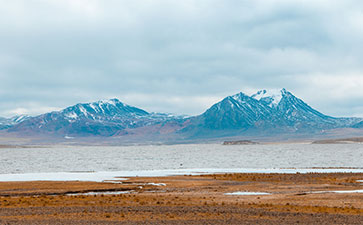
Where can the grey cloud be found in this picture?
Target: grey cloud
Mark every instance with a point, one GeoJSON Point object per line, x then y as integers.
{"type": "Point", "coordinates": [59, 52]}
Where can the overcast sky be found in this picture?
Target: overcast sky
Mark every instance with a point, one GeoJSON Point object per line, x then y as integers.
{"type": "Point", "coordinates": [179, 56]}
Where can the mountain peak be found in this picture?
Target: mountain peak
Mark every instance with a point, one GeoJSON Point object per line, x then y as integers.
{"type": "Point", "coordinates": [239, 96]}
{"type": "Point", "coordinates": [271, 97]}
{"type": "Point", "coordinates": [112, 101]}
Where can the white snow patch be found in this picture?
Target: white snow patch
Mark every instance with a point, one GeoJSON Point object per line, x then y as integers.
{"type": "Point", "coordinates": [348, 191]}
{"type": "Point", "coordinates": [247, 193]}
{"type": "Point", "coordinates": [238, 97]}
{"type": "Point", "coordinates": [18, 119]}
{"type": "Point", "coordinates": [100, 106]}
{"type": "Point", "coordinates": [156, 184]}
{"type": "Point", "coordinates": [83, 110]}
{"type": "Point", "coordinates": [62, 176]}
{"type": "Point", "coordinates": [275, 95]}
{"type": "Point", "coordinates": [119, 175]}
{"type": "Point", "coordinates": [111, 102]}
{"type": "Point", "coordinates": [338, 192]}
{"type": "Point", "coordinates": [72, 115]}
{"type": "Point", "coordinates": [101, 193]}
{"type": "Point", "coordinates": [68, 137]}
{"type": "Point", "coordinates": [94, 107]}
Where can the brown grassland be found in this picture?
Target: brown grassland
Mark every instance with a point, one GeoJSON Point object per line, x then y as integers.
{"type": "Point", "coordinates": [188, 200]}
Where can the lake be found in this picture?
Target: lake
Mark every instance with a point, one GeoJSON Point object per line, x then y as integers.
{"type": "Point", "coordinates": [182, 158]}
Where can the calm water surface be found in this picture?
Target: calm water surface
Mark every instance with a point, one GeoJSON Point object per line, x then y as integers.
{"type": "Point", "coordinates": [170, 157]}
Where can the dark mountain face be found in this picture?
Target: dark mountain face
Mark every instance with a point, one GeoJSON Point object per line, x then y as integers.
{"type": "Point", "coordinates": [294, 112]}
{"type": "Point", "coordinates": [358, 125]}
{"type": "Point", "coordinates": [103, 118]}
{"type": "Point", "coordinates": [4, 123]}
{"type": "Point", "coordinates": [235, 112]}
{"type": "Point", "coordinates": [263, 113]}
{"type": "Point", "coordinates": [102, 110]}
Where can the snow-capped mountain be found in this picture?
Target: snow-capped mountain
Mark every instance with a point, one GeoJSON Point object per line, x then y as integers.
{"type": "Point", "coordinates": [104, 118]}
{"type": "Point", "coordinates": [238, 110]}
{"type": "Point", "coordinates": [264, 112]}
{"type": "Point", "coordinates": [107, 110]}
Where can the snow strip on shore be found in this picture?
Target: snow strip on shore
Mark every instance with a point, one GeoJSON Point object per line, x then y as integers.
{"type": "Point", "coordinates": [113, 176]}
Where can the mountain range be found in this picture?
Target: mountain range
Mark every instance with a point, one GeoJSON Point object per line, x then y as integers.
{"type": "Point", "coordinates": [263, 114]}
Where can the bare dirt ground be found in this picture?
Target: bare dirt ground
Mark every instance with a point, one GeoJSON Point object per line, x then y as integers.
{"type": "Point", "coordinates": [293, 199]}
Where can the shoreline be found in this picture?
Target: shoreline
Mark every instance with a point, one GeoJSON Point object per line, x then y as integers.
{"type": "Point", "coordinates": [99, 176]}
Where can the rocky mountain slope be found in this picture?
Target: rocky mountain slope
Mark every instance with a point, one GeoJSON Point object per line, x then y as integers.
{"type": "Point", "coordinates": [102, 118]}
{"type": "Point", "coordinates": [263, 113]}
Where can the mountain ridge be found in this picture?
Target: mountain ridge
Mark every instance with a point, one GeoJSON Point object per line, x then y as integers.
{"type": "Point", "coordinates": [264, 113]}
{"type": "Point", "coordinates": [104, 118]}
{"type": "Point", "coordinates": [243, 111]}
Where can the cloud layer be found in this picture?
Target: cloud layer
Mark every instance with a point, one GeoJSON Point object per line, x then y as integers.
{"type": "Point", "coordinates": [179, 56]}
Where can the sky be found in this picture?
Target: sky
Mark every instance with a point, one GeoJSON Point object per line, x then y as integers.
{"type": "Point", "coordinates": [179, 56]}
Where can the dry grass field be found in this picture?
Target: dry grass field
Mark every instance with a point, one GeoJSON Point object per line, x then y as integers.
{"type": "Point", "coordinates": [292, 199]}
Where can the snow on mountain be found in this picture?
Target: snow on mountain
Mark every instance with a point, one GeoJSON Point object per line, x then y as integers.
{"type": "Point", "coordinates": [263, 113]}
{"type": "Point", "coordinates": [272, 97]}
{"type": "Point", "coordinates": [9, 122]}
{"type": "Point", "coordinates": [237, 110]}
{"type": "Point", "coordinates": [266, 111]}
{"type": "Point", "coordinates": [105, 110]}
{"type": "Point", "coordinates": [103, 118]}
{"type": "Point", "coordinates": [19, 118]}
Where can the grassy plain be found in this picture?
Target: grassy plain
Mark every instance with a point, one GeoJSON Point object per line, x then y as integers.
{"type": "Point", "coordinates": [293, 199]}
